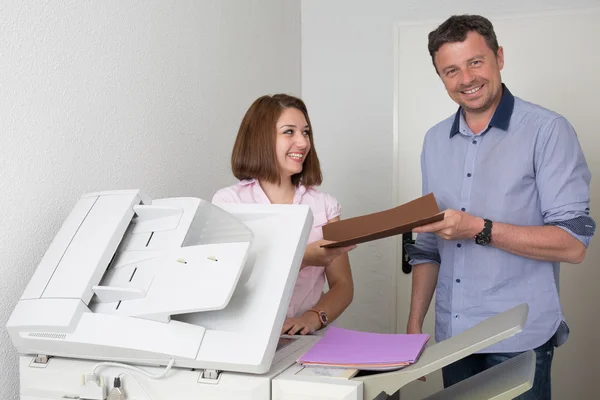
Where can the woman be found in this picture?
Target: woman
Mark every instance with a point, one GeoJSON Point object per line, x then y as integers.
{"type": "Point", "coordinates": [275, 160]}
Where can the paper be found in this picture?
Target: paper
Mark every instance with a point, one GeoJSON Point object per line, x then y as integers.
{"type": "Point", "coordinates": [328, 371]}
{"type": "Point", "coordinates": [364, 350]}
{"type": "Point", "coordinates": [395, 221]}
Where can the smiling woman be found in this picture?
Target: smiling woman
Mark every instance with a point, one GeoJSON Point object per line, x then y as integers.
{"type": "Point", "coordinates": [274, 158]}
{"type": "Point", "coordinates": [293, 143]}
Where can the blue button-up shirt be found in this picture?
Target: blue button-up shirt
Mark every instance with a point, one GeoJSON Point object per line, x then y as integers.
{"type": "Point", "coordinates": [526, 168]}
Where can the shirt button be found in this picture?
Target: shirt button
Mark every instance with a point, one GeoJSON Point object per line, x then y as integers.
{"type": "Point", "coordinates": [469, 175]}
{"type": "Point", "coordinates": [456, 316]}
{"type": "Point", "coordinates": [458, 245]}
{"type": "Point", "coordinates": [463, 209]}
{"type": "Point", "coordinates": [474, 141]}
{"type": "Point", "coordinates": [458, 281]}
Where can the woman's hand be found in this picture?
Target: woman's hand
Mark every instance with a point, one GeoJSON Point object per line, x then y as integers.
{"type": "Point", "coordinates": [317, 256]}
{"type": "Point", "coordinates": [306, 323]}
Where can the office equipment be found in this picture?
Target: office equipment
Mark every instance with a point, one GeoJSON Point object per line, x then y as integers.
{"type": "Point", "coordinates": [182, 299]}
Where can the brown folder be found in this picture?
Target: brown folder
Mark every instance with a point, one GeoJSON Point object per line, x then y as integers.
{"type": "Point", "coordinates": [379, 225]}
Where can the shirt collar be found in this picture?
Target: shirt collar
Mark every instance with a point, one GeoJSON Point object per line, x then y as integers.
{"type": "Point", "coordinates": [300, 189]}
{"type": "Point", "coordinates": [246, 182]}
{"type": "Point", "coordinates": [501, 117]}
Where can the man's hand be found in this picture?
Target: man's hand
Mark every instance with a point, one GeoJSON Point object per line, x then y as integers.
{"type": "Point", "coordinates": [456, 225]}
{"type": "Point", "coordinates": [306, 323]}
{"type": "Point", "coordinates": [317, 256]}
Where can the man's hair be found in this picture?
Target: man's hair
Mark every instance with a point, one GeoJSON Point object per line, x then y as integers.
{"type": "Point", "coordinates": [456, 28]}
{"type": "Point", "coordinates": [253, 155]}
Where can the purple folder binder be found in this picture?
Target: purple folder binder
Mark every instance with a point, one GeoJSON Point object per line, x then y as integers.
{"type": "Point", "coordinates": [342, 347]}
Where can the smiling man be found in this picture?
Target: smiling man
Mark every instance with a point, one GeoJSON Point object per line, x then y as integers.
{"type": "Point", "coordinates": [513, 180]}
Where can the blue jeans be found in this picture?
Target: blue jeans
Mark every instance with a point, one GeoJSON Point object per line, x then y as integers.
{"type": "Point", "coordinates": [476, 363]}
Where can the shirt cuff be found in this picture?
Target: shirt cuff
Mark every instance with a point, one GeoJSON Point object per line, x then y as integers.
{"type": "Point", "coordinates": [419, 255]}
{"type": "Point", "coordinates": [581, 228]}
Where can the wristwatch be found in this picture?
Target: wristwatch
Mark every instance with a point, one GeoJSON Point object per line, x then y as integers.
{"type": "Point", "coordinates": [322, 317]}
{"type": "Point", "coordinates": [484, 237]}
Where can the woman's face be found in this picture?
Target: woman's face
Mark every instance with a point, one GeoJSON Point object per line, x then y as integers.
{"type": "Point", "coordinates": [292, 142]}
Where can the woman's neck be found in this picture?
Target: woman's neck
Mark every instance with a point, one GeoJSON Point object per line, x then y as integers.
{"type": "Point", "coordinates": [282, 193]}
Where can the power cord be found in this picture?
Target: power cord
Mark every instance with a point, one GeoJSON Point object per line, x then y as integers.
{"type": "Point", "coordinates": [136, 369]}
{"type": "Point", "coordinates": [94, 389]}
{"type": "Point", "coordinates": [138, 383]}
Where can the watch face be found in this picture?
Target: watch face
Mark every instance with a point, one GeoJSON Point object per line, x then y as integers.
{"type": "Point", "coordinates": [323, 318]}
{"type": "Point", "coordinates": [482, 240]}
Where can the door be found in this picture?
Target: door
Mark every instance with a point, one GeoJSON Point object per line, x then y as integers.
{"type": "Point", "coordinates": [550, 59]}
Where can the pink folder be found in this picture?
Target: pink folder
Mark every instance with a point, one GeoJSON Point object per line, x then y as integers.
{"type": "Point", "coordinates": [364, 350]}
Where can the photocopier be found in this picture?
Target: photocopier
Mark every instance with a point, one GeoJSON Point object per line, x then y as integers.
{"type": "Point", "coordinates": [180, 299]}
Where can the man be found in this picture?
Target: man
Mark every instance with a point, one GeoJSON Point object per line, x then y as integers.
{"type": "Point", "coordinates": [515, 186]}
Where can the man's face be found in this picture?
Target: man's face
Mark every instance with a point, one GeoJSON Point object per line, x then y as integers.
{"type": "Point", "coordinates": [470, 72]}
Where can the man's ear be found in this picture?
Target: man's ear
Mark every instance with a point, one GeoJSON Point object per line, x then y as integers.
{"type": "Point", "coordinates": [500, 57]}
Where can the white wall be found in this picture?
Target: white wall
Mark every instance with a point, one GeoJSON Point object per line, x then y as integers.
{"type": "Point", "coordinates": [115, 95]}
{"type": "Point", "coordinates": [347, 82]}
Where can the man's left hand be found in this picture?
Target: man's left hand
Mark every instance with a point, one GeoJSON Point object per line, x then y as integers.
{"type": "Point", "coordinates": [306, 323]}
{"type": "Point", "coordinates": [456, 225]}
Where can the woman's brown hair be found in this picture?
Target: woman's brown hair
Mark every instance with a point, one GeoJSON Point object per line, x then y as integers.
{"type": "Point", "coordinates": [253, 155]}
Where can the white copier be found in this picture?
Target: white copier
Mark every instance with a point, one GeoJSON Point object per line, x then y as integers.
{"type": "Point", "coordinates": [181, 299]}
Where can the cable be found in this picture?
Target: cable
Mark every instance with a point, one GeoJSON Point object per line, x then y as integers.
{"type": "Point", "coordinates": [136, 369]}
{"type": "Point", "coordinates": [138, 383]}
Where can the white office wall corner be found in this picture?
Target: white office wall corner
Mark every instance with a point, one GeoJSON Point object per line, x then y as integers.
{"type": "Point", "coordinates": [123, 95]}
